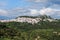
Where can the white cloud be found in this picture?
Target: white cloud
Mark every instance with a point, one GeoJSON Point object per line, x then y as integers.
{"type": "Point", "coordinates": [3, 12]}
{"type": "Point", "coordinates": [33, 11]}
{"type": "Point", "coordinates": [19, 12]}
{"type": "Point", "coordinates": [44, 11]}
{"type": "Point", "coordinates": [47, 11]}
{"type": "Point", "coordinates": [41, 0]}
{"type": "Point", "coordinates": [37, 0]}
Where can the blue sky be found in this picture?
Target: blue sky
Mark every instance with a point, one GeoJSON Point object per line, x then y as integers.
{"type": "Point", "coordinates": [14, 8]}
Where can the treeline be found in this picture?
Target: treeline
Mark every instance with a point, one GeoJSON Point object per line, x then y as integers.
{"type": "Point", "coordinates": [39, 16]}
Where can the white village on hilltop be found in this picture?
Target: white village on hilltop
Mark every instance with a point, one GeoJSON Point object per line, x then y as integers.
{"type": "Point", "coordinates": [25, 19]}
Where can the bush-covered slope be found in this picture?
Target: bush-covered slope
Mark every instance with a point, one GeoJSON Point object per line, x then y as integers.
{"type": "Point", "coordinates": [43, 30]}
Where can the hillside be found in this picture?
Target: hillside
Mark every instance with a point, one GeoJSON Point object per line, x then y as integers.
{"type": "Point", "coordinates": [42, 30]}
{"type": "Point", "coordinates": [31, 19]}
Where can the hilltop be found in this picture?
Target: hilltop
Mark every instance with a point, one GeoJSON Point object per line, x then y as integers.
{"type": "Point", "coordinates": [30, 19]}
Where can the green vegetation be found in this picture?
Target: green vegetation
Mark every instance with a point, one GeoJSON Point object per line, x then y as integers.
{"type": "Point", "coordinates": [27, 16]}
{"type": "Point", "coordinates": [44, 30]}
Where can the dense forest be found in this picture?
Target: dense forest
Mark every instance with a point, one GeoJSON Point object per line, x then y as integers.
{"type": "Point", "coordinates": [43, 30]}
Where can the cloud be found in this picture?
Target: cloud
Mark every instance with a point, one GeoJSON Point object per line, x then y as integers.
{"type": "Point", "coordinates": [55, 6]}
{"type": "Point", "coordinates": [33, 11]}
{"type": "Point", "coordinates": [30, 12]}
{"type": "Point", "coordinates": [19, 12]}
{"type": "Point", "coordinates": [37, 1]}
{"type": "Point", "coordinates": [44, 3]}
{"type": "Point", "coordinates": [55, 1]}
{"type": "Point", "coordinates": [44, 11]}
{"type": "Point", "coordinates": [23, 11]}
{"type": "Point", "coordinates": [3, 12]}
{"type": "Point", "coordinates": [3, 3]}
{"type": "Point", "coordinates": [38, 4]}
{"type": "Point", "coordinates": [41, 0]}
{"type": "Point", "coordinates": [50, 11]}
{"type": "Point", "coordinates": [47, 11]}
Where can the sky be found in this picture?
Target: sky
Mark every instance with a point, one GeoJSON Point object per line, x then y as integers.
{"type": "Point", "coordinates": [15, 8]}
